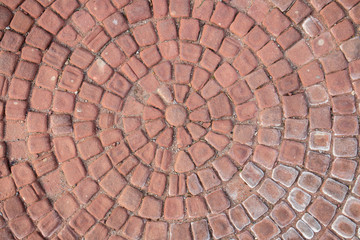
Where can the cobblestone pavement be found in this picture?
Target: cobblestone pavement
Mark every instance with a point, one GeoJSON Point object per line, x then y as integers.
{"type": "Point", "coordinates": [179, 119]}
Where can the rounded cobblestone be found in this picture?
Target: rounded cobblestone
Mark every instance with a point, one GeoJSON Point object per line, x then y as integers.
{"type": "Point", "coordinates": [179, 119]}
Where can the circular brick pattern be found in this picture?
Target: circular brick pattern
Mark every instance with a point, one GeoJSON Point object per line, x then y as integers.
{"type": "Point", "coordinates": [175, 115]}
{"type": "Point", "coordinates": [179, 119]}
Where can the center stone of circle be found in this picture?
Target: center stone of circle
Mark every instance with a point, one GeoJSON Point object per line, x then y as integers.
{"type": "Point", "coordinates": [175, 115]}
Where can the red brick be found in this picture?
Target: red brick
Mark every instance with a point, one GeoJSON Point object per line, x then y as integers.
{"type": "Point", "coordinates": [74, 171]}
{"type": "Point", "coordinates": [155, 230]}
{"type": "Point", "coordinates": [256, 38]}
{"type": "Point", "coordinates": [120, 3]}
{"type": "Point", "coordinates": [150, 208]}
{"type": "Point", "coordinates": [282, 214]}
{"type": "Point", "coordinates": [99, 71]}
{"type": "Point", "coordinates": [99, 231]}
{"type": "Point", "coordinates": [6, 16]}
{"type": "Point", "coordinates": [211, 89]}
{"type": "Point", "coordinates": [150, 56]}
{"type": "Point", "coordinates": [89, 148]}
{"type": "Point", "coordinates": [265, 156]}
{"type": "Point", "coordinates": [22, 174]}
{"type": "Point", "coordinates": [64, 148]}
{"type": "Point", "coordinates": [13, 207]}
{"type": "Point", "coordinates": [138, 10]}
{"type": "Point", "coordinates": [323, 210]}
{"type": "Point", "coordinates": [217, 201]}
{"type": "Point", "coordinates": [127, 44]}
{"type": "Point", "coordinates": [36, 122]}
{"type": "Point", "coordinates": [298, 11]}
{"type": "Point", "coordinates": [229, 48]}
{"type": "Point", "coordinates": [63, 102]}
{"type": "Point", "coordinates": [202, 9]}
{"type": "Point", "coordinates": [332, 13]}
{"type": "Point", "coordinates": [223, 15]}
{"type": "Point", "coordinates": [44, 164]}
{"type": "Point", "coordinates": [83, 21]}
{"type": "Point", "coordinates": [19, 89]}
{"type": "Point", "coordinates": [344, 104]}
{"type": "Point", "coordinates": [169, 50]}
{"type": "Point", "coordinates": [269, 53]}
{"type": "Point", "coordinates": [265, 229]}
{"type": "Point", "coordinates": [38, 143]}
{"type": "Point", "coordinates": [282, 4]}
{"type": "Point", "coordinates": [15, 110]}
{"type": "Point", "coordinates": [160, 8]}
{"type": "Point", "coordinates": [38, 38]}
{"type": "Point", "coordinates": [38, 209]}
{"type": "Point", "coordinates": [9, 187]}
{"type": "Point", "coordinates": [311, 73]}
{"type": "Point", "coordinates": [112, 183]}
{"type": "Point", "coordinates": [226, 75]}
{"type": "Point", "coordinates": [354, 14]}
{"type": "Point", "coordinates": [189, 29]}
{"type": "Point", "coordinates": [266, 96]}
{"type": "Point", "coordinates": [100, 206]}
{"type": "Point", "coordinates": [145, 34]}
{"type": "Point", "coordinates": [65, 7]}
{"type": "Point", "coordinates": [7, 62]}
{"type": "Point", "coordinates": [85, 190]}
{"type": "Point", "coordinates": [241, 25]}
{"type": "Point", "coordinates": [317, 95]}
{"type": "Point", "coordinates": [280, 69]}
{"type": "Point", "coordinates": [320, 118]}
{"type": "Point", "coordinates": [246, 111]}
{"type": "Point", "coordinates": [292, 152]}
{"type": "Point", "coordinates": [319, 4]}
{"type": "Point", "coordinates": [289, 106]}
{"type": "Point", "coordinates": [100, 9]}
{"type": "Point", "coordinates": [245, 62]}
{"type": "Point", "coordinates": [56, 55]}
{"type": "Point", "coordinates": [21, 22]}
{"type": "Point", "coordinates": [66, 205]}
{"type": "Point", "coordinates": [173, 208]}
{"type": "Point", "coordinates": [95, 39]}
{"type": "Point", "coordinates": [71, 79]}
{"type": "Point", "coordinates": [26, 70]}
{"type": "Point", "coordinates": [68, 36]}
{"type": "Point", "coordinates": [288, 38]}
{"type": "Point", "coordinates": [349, 48]}
{"type": "Point", "coordinates": [299, 199]}
{"type": "Point", "coordinates": [190, 52]}
{"type": "Point", "coordinates": [312, 26]}
{"type": "Point", "coordinates": [51, 22]}
{"type": "Point", "coordinates": [288, 84]}
{"type": "Point", "coordinates": [133, 228]}
{"type": "Point", "coordinates": [343, 30]}
{"type": "Point", "coordinates": [117, 218]}
{"type": "Point", "coordinates": [300, 53]}
{"type": "Point", "coordinates": [178, 8]}
{"type": "Point", "coordinates": [338, 83]}
{"type": "Point", "coordinates": [258, 10]}
{"type": "Point", "coordinates": [115, 24]}
{"type": "Point", "coordinates": [21, 226]}
{"type": "Point", "coordinates": [90, 92]}
{"type": "Point", "coordinates": [166, 29]}
{"type": "Point", "coordinates": [209, 60]}
{"type": "Point", "coordinates": [82, 222]}
{"type": "Point", "coordinates": [11, 41]}
{"type": "Point", "coordinates": [275, 22]}
{"type": "Point", "coordinates": [211, 37]}
{"type": "Point", "coordinates": [296, 129]}
{"type": "Point", "coordinates": [220, 225]}
{"type": "Point", "coordinates": [255, 207]}
{"type": "Point", "coordinates": [81, 58]}
{"type": "Point", "coordinates": [271, 191]}
{"type": "Point", "coordinates": [31, 54]}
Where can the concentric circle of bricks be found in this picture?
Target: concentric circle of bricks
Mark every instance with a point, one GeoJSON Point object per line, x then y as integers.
{"type": "Point", "coordinates": [179, 119]}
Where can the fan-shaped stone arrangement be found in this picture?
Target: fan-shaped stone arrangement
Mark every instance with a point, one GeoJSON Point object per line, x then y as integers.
{"type": "Point", "coordinates": [179, 119]}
